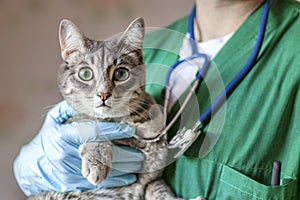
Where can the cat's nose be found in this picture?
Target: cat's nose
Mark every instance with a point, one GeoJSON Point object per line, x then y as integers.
{"type": "Point", "coordinates": [104, 96]}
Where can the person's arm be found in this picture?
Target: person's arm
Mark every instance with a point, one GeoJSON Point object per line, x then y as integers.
{"type": "Point", "coordinates": [51, 161]}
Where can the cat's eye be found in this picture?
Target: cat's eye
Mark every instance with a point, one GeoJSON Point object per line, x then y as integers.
{"type": "Point", "coordinates": [86, 74]}
{"type": "Point", "coordinates": [121, 74]}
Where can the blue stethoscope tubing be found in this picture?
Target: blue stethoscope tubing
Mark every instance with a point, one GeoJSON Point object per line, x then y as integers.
{"type": "Point", "coordinates": [220, 100]}
{"type": "Point", "coordinates": [204, 118]}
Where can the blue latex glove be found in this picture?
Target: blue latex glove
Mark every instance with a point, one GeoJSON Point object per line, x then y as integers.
{"type": "Point", "coordinates": [51, 161]}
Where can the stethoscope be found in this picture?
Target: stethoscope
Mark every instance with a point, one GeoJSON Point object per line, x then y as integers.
{"type": "Point", "coordinates": [186, 136]}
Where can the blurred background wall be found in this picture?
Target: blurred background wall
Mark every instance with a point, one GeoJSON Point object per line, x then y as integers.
{"type": "Point", "coordinates": [30, 56]}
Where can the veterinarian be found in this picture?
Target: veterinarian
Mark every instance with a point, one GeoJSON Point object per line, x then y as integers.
{"type": "Point", "coordinates": [260, 124]}
{"type": "Point", "coordinates": [256, 126]}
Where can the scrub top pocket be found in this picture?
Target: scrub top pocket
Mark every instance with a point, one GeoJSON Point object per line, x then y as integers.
{"type": "Point", "coordinates": [235, 185]}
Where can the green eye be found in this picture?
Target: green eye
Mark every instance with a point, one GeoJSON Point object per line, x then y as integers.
{"type": "Point", "coordinates": [121, 74]}
{"type": "Point", "coordinates": [86, 74]}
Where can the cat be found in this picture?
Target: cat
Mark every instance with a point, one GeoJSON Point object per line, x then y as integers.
{"type": "Point", "coordinates": [105, 81]}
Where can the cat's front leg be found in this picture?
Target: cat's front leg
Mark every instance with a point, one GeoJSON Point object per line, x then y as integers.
{"type": "Point", "coordinates": [160, 191]}
{"type": "Point", "coordinates": [96, 160]}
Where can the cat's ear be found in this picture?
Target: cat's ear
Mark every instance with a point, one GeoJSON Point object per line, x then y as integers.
{"type": "Point", "coordinates": [134, 34]}
{"type": "Point", "coordinates": [71, 41]}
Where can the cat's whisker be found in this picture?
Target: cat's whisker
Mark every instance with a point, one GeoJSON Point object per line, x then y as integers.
{"type": "Point", "coordinates": [138, 105]}
{"type": "Point", "coordinates": [48, 107]}
{"type": "Point", "coordinates": [43, 115]}
{"type": "Point", "coordinates": [143, 113]}
{"type": "Point", "coordinates": [138, 102]}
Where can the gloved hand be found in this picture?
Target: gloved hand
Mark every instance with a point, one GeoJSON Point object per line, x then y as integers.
{"type": "Point", "coordinates": [51, 161]}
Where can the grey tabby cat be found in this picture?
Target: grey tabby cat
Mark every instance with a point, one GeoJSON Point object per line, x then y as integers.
{"type": "Point", "coordinates": [104, 80]}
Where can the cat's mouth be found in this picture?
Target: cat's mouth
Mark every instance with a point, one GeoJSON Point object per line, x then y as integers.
{"type": "Point", "coordinates": [103, 105]}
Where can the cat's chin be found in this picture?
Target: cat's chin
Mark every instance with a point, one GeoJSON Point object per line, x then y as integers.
{"type": "Point", "coordinates": [104, 112]}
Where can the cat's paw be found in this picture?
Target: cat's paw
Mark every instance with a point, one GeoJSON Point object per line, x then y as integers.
{"type": "Point", "coordinates": [96, 161]}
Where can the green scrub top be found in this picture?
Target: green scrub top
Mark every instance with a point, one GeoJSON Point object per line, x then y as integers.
{"type": "Point", "coordinates": [258, 124]}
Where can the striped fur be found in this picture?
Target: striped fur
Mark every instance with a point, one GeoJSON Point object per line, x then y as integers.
{"type": "Point", "coordinates": [127, 102]}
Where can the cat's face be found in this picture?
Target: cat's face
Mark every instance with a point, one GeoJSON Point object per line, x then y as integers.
{"type": "Point", "coordinates": [102, 79]}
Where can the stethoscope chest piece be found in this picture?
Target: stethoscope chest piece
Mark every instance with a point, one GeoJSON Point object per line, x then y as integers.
{"type": "Point", "coordinates": [183, 139]}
